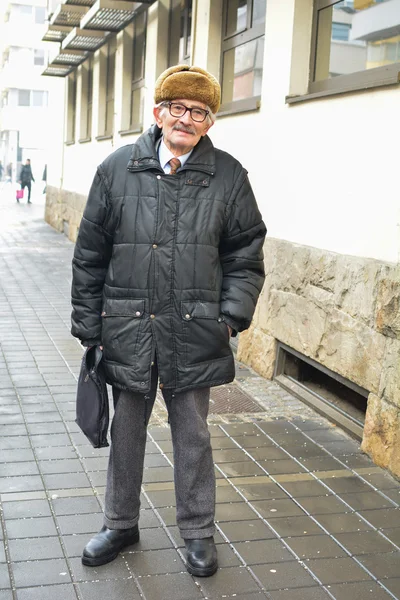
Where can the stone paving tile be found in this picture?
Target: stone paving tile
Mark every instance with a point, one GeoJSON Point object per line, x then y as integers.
{"type": "Point", "coordinates": [277, 576]}
{"type": "Point", "coordinates": [26, 509]}
{"type": "Point", "coordinates": [234, 580]}
{"type": "Point", "coordinates": [155, 562]}
{"type": "Point", "coordinates": [4, 576]}
{"type": "Point", "coordinates": [313, 593]}
{"type": "Point", "coordinates": [35, 549]}
{"type": "Point", "coordinates": [7, 595]}
{"type": "Point", "coordinates": [179, 586]}
{"type": "Point", "coordinates": [117, 569]}
{"type": "Point", "coordinates": [359, 591]}
{"type": "Point", "coordinates": [40, 572]}
{"type": "Point", "coordinates": [31, 528]}
{"type": "Point", "coordinates": [48, 592]}
{"type": "Point", "coordinates": [108, 590]}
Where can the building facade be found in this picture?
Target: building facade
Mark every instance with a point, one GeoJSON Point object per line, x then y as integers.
{"type": "Point", "coordinates": [310, 96]}
{"type": "Point", "coordinates": [24, 94]}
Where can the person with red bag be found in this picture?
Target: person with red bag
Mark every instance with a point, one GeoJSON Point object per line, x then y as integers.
{"type": "Point", "coordinates": [25, 179]}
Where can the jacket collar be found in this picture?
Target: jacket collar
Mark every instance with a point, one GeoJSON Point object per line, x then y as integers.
{"type": "Point", "coordinates": [144, 154]}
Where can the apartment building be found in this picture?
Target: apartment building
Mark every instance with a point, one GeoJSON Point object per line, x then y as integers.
{"type": "Point", "coordinates": [310, 96]}
{"type": "Point", "coordinates": [24, 94]}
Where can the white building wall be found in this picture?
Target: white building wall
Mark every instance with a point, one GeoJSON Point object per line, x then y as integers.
{"type": "Point", "coordinates": [341, 199]}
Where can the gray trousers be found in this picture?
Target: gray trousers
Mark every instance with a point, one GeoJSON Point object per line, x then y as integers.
{"type": "Point", "coordinates": [193, 463]}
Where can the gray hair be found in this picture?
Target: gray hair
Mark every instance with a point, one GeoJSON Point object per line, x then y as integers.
{"type": "Point", "coordinates": [211, 117]}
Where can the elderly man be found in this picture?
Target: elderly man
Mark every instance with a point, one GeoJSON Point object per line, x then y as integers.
{"type": "Point", "coordinates": [168, 264]}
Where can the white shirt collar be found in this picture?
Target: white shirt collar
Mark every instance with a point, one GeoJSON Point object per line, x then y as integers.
{"type": "Point", "coordinates": [165, 155]}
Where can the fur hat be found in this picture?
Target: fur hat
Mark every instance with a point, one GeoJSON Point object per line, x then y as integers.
{"type": "Point", "coordinates": [188, 83]}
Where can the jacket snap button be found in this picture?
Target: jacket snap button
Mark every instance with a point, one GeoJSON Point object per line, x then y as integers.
{"type": "Point", "coordinates": [135, 162]}
{"type": "Point", "coordinates": [190, 181]}
{"type": "Point", "coordinates": [152, 316]}
{"type": "Point", "coordinates": [205, 181]}
{"type": "Point", "coordinates": [187, 316]}
{"type": "Point", "coordinates": [103, 313]}
{"type": "Point", "coordinates": [220, 320]}
{"type": "Point", "coordinates": [137, 313]}
{"type": "Point", "coordinates": [158, 176]}
{"type": "Point", "coordinates": [142, 383]}
{"type": "Point", "coordinates": [155, 246]}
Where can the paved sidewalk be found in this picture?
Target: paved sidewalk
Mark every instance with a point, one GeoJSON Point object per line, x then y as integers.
{"type": "Point", "coordinates": [302, 514]}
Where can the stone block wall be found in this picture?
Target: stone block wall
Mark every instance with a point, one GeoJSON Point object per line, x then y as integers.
{"type": "Point", "coordinates": [343, 312]}
{"type": "Point", "coordinates": [64, 210]}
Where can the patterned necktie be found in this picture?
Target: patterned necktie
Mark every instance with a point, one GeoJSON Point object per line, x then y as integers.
{"type": "Point", "coordinates": [175, 164]}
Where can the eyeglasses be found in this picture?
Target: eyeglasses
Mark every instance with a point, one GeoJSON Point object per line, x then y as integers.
{"type": "Point", "coordinates": [178, 110]}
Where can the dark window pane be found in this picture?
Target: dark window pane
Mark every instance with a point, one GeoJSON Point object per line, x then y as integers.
{"type": "Point", "coordinates": [236, 16]}
{"type": "Point", "coordinates": [40, 15]}
{"type": "Point", "coordinates": [24, 9]}
{"type": "Point", "coordinates": [24, 97]}
{"type": "Point", "coordinates": [243, 71]}
{"type": "Point", "coordinates": [139, 47]}
{"type": "Point", "coordinates": [37, 98]}
{"type": "Point", "coordinates": [38, 58]}
{"type": "Point", "coordinates": [136, 108]}
{"type": "Point", "coordinates": [259, 10]}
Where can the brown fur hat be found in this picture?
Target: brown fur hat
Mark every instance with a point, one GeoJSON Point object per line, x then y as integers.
{"type": "Point", "coordinates": [188, 83]}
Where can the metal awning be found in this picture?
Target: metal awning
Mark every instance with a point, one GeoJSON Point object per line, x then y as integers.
{"type": "Point", "coordinates": [58, 71]}
{"type": "Point", "coordinates": [81, 2]}
{"type": "Point", "coordinates": [56, 33]}
{"type": "Point", "coordinates": [109, 15]}
{"type": "Point", "coordinates": [69, 57]}
{"type": "Point", "coordinates": [68, 14]}
{"type": "Point", "coordinates": [84, 39]}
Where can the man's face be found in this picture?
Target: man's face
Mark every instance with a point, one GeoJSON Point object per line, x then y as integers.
{"type": "Point", "coordinates": [181, 134]}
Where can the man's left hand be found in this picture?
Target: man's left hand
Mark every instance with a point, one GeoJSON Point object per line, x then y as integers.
{"type": "Point", "coordinates": [230, 330]}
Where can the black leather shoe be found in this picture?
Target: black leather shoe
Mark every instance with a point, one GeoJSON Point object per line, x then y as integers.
{"type": "Point", "coordinates": [107, 544]}
{"type": "Point", "coordinates": [201, 559]}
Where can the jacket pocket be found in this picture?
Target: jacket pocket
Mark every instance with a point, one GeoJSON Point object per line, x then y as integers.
{"type": "Point", "coordinates": [205, 332]}
{"type": "Point", "coordinates": [122, 319]}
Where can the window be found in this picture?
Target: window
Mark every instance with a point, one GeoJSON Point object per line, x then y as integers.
{"type": "Point", "coordinates": [71, 108]}
{"type": "Point", "coordinates": [86, 101]}
{"type": "Point", "coordinates": [180, 40]}
{"type": "Point", "coordinates": [134, 58]}
{"type": "Point", "coordinates": [242, 54]}
{"type": "Point", "coordinates": [24, 97]}
{"type": "Point", "coordinates": [40, 15]}
{"type": "Point", "coordinates": [368, 53]}
{"type": "Point", "coordinates": [32, 98]}
{"type": "Point", "coordinates": [138, 66]}
{"type": "Point", "coordinates": [341, 31]}
{"type": "Point", "coordinates": [39, 98]}
{"type": "Point", "coordinates": [38, 57]}
{"type": "Point", "coordinates": [106, 89]}
{"type": "Point", "coordinates": [110, 86]}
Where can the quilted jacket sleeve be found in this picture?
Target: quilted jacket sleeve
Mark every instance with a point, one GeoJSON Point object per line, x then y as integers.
{"type": "Point", "coordinates": [90, 263]}
{"type": "Point", "coordinates": [241, 256]}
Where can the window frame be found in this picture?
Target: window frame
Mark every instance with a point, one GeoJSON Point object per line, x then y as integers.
{"type": "Point", "coordinates": [71, 108]}
{"type": "Point", "coordinates": [86, 101]}
{"type": "Point", "coordinates": [342, 84]}
{"type": "Point", "coordinates": [175, 15]}
{"type": "Point", "coordinates": [231, 41]}
{"type": "Point", "coordinates": [110, 89]}
{"type": "Point", "coordinates": [134, 82]}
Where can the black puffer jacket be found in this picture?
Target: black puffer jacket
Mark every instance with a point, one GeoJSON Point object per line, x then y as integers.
{"type": "Point", "coordinates": [163, 263]}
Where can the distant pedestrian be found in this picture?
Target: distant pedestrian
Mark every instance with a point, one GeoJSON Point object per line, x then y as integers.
{"type": "Point", "coordinates": [44, 178]}
{"type": "Point", "coordinates": [9, 173]}
{"type": "Point", "coordinates": [1, 171]}
{"type": "Point", "coordinates": [26, 177]}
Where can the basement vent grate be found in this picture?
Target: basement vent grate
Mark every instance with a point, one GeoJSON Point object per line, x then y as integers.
{"type": "Point", "coordinates": [230, 399]}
